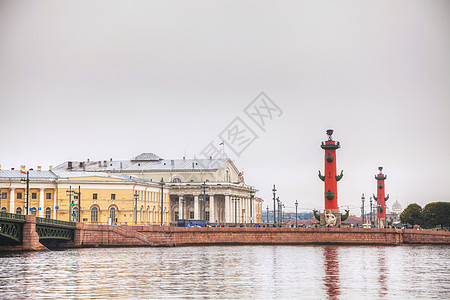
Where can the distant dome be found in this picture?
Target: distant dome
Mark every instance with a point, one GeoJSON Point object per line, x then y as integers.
{"type": "Point", "coordinates": [397, 207]}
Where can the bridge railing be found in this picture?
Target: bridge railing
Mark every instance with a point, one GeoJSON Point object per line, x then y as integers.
{"type": "Point", "coordinates": [5, 215]}
{"type": "Point", "coordinates": [40, 220]}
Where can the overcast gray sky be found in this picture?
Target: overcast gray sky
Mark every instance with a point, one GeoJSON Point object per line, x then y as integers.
{"type": "Point", "coordinates": [101, 79]}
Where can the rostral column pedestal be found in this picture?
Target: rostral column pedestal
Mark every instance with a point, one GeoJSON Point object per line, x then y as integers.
{"type": "Point", "coordinates": [381, 199]}
{"type": "Point", "coordinates": [331, 215]}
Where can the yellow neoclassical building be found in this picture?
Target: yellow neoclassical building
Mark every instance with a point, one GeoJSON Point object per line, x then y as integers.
{"type": "Point", "coordinates": [104, 198]}
{"type": "Point", "coordinates": [212, 189]}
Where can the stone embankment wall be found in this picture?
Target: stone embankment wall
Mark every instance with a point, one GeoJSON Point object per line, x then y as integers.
{"type": "Point", "coordinates": [123, 236]}
{"type": "Point", "coordinates": [114, 236]}
{"type": "Point", "coordinates": [413, 236]}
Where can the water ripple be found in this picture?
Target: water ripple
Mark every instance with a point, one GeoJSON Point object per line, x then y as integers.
{"type": "Point", "coordinates": [229, 272]}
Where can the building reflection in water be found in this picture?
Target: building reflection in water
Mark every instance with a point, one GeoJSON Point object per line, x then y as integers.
{"type": "Point", "coordinates": [331, 278]}
{"type": "Point", "coordinates": [382, 272]}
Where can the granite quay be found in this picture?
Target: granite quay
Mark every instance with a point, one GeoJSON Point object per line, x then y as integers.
{"type": "Point", "coordinates": [87, 235]}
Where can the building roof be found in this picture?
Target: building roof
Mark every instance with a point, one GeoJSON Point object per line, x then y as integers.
{"type": "Point", "coordinates": [146, 157]}
{"type": "Point", "coordinates": [69, 175]}
{"type": "Point", "coordinates": [144, 162]}
{"type": "Point", "coordinates": [50, 175]}
{"type": "Point", "coordinates": [34, 174]}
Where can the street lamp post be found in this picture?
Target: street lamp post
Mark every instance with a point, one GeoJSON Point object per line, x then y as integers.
{"type": "Point", "coordinates": [27, 193]}
{"type": "Point", "coordinates": [162, 201]}
{"type": "Point", "coordinates": [183, 202]}
{"type": "Point", "coordinates": [371, 209]}
{"type": "Point", "coordinates": [296, 205]}
{"type": "Point", "coordinates": [267, 214]}
{"type": "Point", "coordinates": [136, 195]}
{"type": "Point", "coordinates": [363, 218]}
{"type": "Point", "coordinates": [79, 203]}
{"type": "Point", "coordinates": [378, 215]}
{"type": "Point", "coordinates": [278, 214]}
{"type": "Point", "coordinates": [252, 194]}
{"type": "Point", "coordinates": [282, 214]}
{"type": "Point", "coordinates": [274, 191]}
{"type": "Point", "coordinates": [204, 200]}
{"type": "Point", "coordinates": [69, 193]}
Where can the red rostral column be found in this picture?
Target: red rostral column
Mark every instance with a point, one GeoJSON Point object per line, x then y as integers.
{"type": "Point", "coordinates": [380, 198]}
{"type": "Point", "coordinates": [330, 178]}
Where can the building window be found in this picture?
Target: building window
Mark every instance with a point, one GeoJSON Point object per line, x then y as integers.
{"type": "Point", "coordinates": [176, 180]}
{"type": "Point", "coordinates": [191, 215]}
{"type": "Point", "coordinates": [4, 195]}
{"type": "Point", "coordinates": [177, 217]}
{"type": "Point", "coordinates": [3, 209]}
{"type": "Point", "coordinates": [19, 195]}
{"type": "Point", "coordinates": [19, 210]}
{"type": "Point", "coordinates": [94, 196]}
{"type": "Point", "coordinates": [113, 196]}
{"type": "Point", "coordinates": [48, 213]}
{"type": "Point", "coordinates": [112, 214]}
{"type": "Point", "coordinates": [207, 215]}
{"type": "Point", "coordinates": [94, 213]}
{"type": "Point", "coordinates": [33, 195]}
{"type": "Point", "coordinates": [48, 196]}
{"type": "Point", "coordinates": [33, 211]}
{"type": "Point", "coordinates": [141, 213]}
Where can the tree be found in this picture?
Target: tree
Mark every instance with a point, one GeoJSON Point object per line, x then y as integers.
{"type": "Point", "coordinates": [412, 215]}
{"type": "Point", "coordinates": [436, 213]}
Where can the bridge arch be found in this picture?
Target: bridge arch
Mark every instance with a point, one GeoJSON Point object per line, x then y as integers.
{"type": "Point", "coordinates": [10, 233]}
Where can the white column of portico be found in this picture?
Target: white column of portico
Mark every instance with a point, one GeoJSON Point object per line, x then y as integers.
{"type": "Point", "coordinates": [253, 210]}
{"type": "Point", "coordinates": [249, 218]}
{"type": "Point", "coordinates": [180, 208]}
{"type": "Point", "coordinates": [212, 217]}
{"type": "Point", "coordinates": [244, 206]}
{"type": "Point", "coordinates": [12, 194]}
{"type": "Point", "coordinates": [41, 203]}
{"type": "Point", "coordinates": [196, 208]}
{"type": "Point", "coordinates": [247, 210]}
{"type": "Point", "coordinates": [239, 209]}
{"type": "Point", "coordinates": [227, 209]}
{"type": "Point", "coordinates": [234, 209]}
{"type": "Point", "coordinates": [54, 205]}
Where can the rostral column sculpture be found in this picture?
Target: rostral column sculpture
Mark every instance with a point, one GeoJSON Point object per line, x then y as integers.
{"type": "Point", "coordinates": [380, 198]}
{"type": "Point", "coordinates": [331, 215]}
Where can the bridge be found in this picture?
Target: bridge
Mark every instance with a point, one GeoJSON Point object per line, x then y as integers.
{"type": "Point", "coordinates": [30, 232]}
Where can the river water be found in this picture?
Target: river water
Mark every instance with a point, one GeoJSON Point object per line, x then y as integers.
{"type": "Point", "coordinates": [229, 272]}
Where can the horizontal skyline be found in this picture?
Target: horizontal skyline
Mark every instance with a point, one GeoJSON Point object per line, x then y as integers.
{"type": "Point", "coordinates": [103, 80]}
